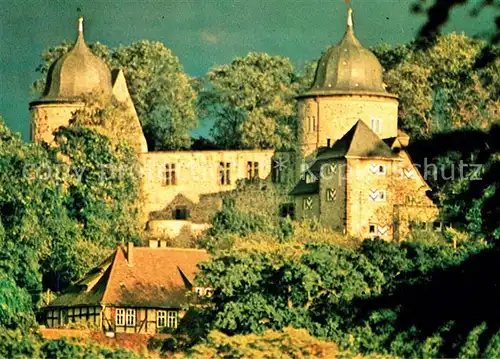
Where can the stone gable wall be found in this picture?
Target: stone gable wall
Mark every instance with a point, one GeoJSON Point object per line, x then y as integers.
{"type": "Point", "coordinates": [363, 209]}
{"type": "Point", "coordinates": [406, 198]}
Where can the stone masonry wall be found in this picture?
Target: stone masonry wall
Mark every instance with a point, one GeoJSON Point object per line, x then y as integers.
{"type": "Point", "coordinates": [330, 117]}
{"type": "Point", "coordinates": [405, 198]}
{"type": "Point", "coordinates": [332, 196]}
{"type": "Point", "coordinates": [46, 118]}
{"type": "Point", "coordinates": [363, 206]}
{"type": "Point", "coordinates": [307, 206]}
{"type": "Point", "coordinates": [197, 174]}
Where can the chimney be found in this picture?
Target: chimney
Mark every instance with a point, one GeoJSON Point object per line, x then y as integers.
{"type": "Point", "coordinates": [328, 142]}
{"type": "Point", "coordinates": [130, 253]}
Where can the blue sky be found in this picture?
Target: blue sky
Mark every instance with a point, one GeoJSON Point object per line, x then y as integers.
{"type": "Point", "coordinates": [202, 33]}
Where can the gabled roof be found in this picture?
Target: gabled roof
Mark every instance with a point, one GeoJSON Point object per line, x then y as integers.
{"type": "Point", "coordinates": [157, 277]}
{"type": "Point", "coordinates": [359, 142]}
{"type": "Point", "coordinates": [303, 188]}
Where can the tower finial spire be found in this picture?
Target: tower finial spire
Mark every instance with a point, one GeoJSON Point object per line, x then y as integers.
{"type": "Point", "coordinates": [80, 25]}
{"type": "Point", "coordinates": [349, 17]}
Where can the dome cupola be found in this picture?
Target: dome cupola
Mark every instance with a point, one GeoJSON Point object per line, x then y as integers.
{"type": "Point", "coordinates": [76, 73]}
{"type": "Point", "coordinates": [348, 68]}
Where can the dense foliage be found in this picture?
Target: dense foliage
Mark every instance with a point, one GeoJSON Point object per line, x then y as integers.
{"type": "Point", "coordinates": [429, 296]}
{"type": "Point", "coordinates": [64, 208]}
{"type": "Point", "coordinates": [443, 87]}
{"type": "Point", "coordinates": [251, 101]}
{"type": "Point", "coordinates": [16, 344]}
{"type": "Point", "coordinates": [364, 299]}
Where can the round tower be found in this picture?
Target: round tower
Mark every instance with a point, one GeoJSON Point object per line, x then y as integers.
{"type": "Point", "coordinates": [74, 74]}
{"type": "Point", "coordinates": [347, 87]}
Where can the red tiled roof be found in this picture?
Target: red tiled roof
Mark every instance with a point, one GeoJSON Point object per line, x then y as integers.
{"type": "Point", "coordinates": [157, 277]}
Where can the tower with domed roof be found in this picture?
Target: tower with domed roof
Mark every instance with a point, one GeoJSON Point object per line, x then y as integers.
{"type": "Point", "coordinates": [356, 176]}
{"type": "Point", "coordinates": [75, 74]}
{"type": "Point", "coordinates": [347, 87]}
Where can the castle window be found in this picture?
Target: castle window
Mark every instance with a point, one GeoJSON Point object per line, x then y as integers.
{"type": "Point", "coordinates": [53, 318]}
{"type": "Point", "coordinates": [287, 210]}
{"type": "Point", "coordinates": [308, 203]}
{"type": "Point", "coordinates": [120, 316]}
{"type": "Point", "coordinates": [378, 195]}
{"type": "Point", "coordinates": [161, 318]}
{"type": "Point", "coordinates": [224, 173]}
{"type": "Point", "coordinates": [376, 125]}
{"type": "Point", "coordinates": [331, 194]}
{"type": "Point", "coordinates": [130, 317]}
{"type": "Point", "coordinates": [181, 213]}
{"type": "Point", "coordinates": [170, 175]}
{"type": "Point", "coordinates": [382, 196]}
{"type": "Point", "coordinates": [252, 170]}
{"type": "Point", "coordinates": [382, 169]}
{"type": "Point", "coordinates": [372, 229]}
{"type": "Point", "coordinates": [312, 124]}
{"type": "Point", "coordinates": [172, 319]}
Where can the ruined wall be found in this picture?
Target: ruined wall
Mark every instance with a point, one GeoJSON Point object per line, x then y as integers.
{"type": "Point", "coordinates": [197, 173]}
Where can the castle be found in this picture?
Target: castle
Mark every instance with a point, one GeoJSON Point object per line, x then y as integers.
{"type": "Point", "coordinates": [355, 175]}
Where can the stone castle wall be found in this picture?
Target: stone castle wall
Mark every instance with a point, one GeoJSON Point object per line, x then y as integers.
{"type": "Point", "coordinates": [48, 117]}
{"type": "Point", "coordinates": [364, 207]}
{"type": "Point", "coordinates": [332, 195]}
{"type": "Point", "coordinates": [197, 173]}
{"type": "Point", "coordinates": [405, 198]}
{"type": "Point", "coordinates": [330, 117]}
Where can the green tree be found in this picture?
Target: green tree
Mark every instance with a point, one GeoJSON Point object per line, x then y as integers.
{"type": "Point", "coordinates": [15, 305]}
{"type": "Point", "coordinates": [441, 87]}
{"type": "Point", "coordinates": [251, 101]}
{"type": "Point", "coordinates": [161, 91]}
{"type": "Point", "coordinates": [102, 185]}
{"type": "Point", "coordinates": [63, 206]}
{"type": "Point", "coordinates": [289, 343]}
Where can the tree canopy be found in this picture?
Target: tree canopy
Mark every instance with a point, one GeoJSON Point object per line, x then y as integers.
{"type": "Point", "coordinates": [441, 88]}
{"type": "Point", "coordinates": [161, 91]}
{"type": "Point", "coordinates": [251, 102]}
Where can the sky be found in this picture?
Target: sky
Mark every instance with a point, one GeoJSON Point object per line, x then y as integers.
{"type": "Point", "coordinates": [202, 33]}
